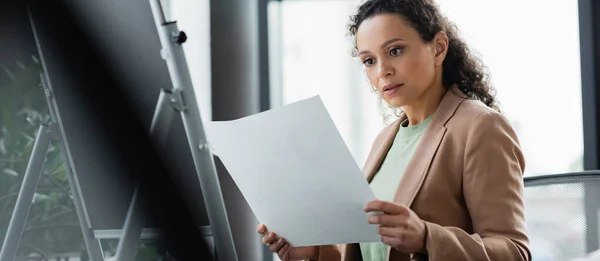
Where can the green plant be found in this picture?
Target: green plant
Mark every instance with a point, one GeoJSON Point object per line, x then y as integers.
{"type": "Point", "coordinates": [52, 225]}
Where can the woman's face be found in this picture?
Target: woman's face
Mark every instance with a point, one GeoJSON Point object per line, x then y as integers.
{"type": "Point", "coordinates": [399, 64]}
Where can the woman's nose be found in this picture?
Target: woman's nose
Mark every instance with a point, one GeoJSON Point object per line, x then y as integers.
{"type": "Point", "coordinates": [384, 69]}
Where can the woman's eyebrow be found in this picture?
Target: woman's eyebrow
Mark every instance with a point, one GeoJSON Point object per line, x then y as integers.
{"type": "Point", "coordinates": [384, 44]}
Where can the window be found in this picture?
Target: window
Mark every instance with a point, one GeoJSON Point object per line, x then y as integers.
{"type": "Point", "coordinates": [538, 83]}
{"type": "Point", "coordinates": [534, 63]}
{"type": "Point", "coordinates": [193, 17]}
{"type": "Point", "coordinates": [310, 55]}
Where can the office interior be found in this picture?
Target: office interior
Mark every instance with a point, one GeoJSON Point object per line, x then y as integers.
{"type": "Point", "coordinates": [249, 56]}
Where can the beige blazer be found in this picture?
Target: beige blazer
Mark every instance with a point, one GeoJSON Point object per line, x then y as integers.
{"type": "Point", "coordinates": [464, 180]}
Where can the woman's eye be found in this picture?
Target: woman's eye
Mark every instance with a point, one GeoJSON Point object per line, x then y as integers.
{"type": "Point", "coordinates": [368, 61]}
{"type": "Point", "coordinates": [395, 51]}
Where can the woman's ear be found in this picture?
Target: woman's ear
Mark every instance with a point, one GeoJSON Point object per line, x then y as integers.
{"type": "Point", "coordinates": [440, 43]}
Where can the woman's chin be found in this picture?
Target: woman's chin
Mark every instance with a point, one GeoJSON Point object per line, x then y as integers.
{"type": "Point", "coordinates": [395, 103]}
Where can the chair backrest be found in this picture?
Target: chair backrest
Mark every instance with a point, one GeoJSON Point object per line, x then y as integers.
{"type": "Point", "coordinates": [563, 216]}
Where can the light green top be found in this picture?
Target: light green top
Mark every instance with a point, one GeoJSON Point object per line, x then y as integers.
{"type": "Point", "coordinates": [385, 183]}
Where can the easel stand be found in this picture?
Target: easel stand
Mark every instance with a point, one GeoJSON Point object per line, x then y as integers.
{"type": "Point", "coordinates": [183, 100]}
{"type": "Point", "coordinates": [26, 193]}
{"type": "Point", "coordinates": [46, 134]}
{"type": "Point", "coordinates": [159, 131]}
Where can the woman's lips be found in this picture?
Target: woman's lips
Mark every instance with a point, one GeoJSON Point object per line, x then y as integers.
{"type": "Point", "coordinates": [391, 89]}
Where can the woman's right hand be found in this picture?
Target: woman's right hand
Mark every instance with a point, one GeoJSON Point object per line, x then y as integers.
{"type": "Point", "coordinates": [283, 249]}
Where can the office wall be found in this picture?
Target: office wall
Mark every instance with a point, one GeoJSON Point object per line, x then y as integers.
{"type": "Point", "coordinates": [236, 93]}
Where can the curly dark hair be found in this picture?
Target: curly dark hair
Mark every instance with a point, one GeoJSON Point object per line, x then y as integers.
{"type": "Point", "coordinates": [460, 67]}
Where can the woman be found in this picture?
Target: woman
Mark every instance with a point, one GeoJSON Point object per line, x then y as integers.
{"type": "Point", "coordinates": [448, 172]}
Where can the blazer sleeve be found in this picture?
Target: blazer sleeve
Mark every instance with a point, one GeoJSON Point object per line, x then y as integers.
{"type": "Point", "coordinates": [493, 192]}
{"type": "Point", "coordinates": [328, 253]}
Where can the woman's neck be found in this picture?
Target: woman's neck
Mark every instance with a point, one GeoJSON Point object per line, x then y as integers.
{"type": "Point", "coordinates": [421, 109]}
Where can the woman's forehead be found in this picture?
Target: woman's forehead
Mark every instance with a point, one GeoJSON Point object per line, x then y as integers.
{"type": "Point", "coordinates": [378, 29]}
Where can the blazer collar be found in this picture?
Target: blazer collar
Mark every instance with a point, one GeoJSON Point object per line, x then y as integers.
{"type": "Point", "coordinates": [446, 109]}
{"type": "Point", "coordinates": [419, 164]}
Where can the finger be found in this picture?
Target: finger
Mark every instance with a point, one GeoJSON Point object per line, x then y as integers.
{"type": "Point", "coordinates": [269, 238]}
{"type": "Point", "coordinates": [283, 251]}
{"type": "Point", "coordinates": [276, 246]}
{"type": "Point", "coordinates": [384, 206]}
{"type": "Point", "coordinates": [386, 220]}
{"type": "Point", "coordinates": [392, 241]}
{"type": "Point", "coordinates": [390, 231]}
{"type": "Point", "coordinates": [261, 229]}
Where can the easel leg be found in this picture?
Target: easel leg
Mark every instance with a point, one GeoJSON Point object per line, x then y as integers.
{"type": "Point", "coordinates": [26, 193]}
{"type": "Point", "coordinates": [132, 229]}
{"type": "Point", "coordinates": [92, 245]}
{"type": "Point", "coordinates": [186, 104]}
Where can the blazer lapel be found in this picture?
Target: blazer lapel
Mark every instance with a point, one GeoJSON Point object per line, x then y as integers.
{"type": "Point", "coordinates": [380, 151]}
{"type": "Point", "coordinates": [416, 170]}
{"type": "Point", "coordinates": [418, 166]}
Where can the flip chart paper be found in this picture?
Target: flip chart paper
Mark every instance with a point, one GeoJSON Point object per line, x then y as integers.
{"type": "Point", "coordinates": [295, 171]}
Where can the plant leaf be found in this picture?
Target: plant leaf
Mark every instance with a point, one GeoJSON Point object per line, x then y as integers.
{"type": "Point", "coordinates": [8, 72]}
{"type": "Point", "coordinates": [39, 197]}
{"type": "Point", "coordinates": [54, 161]}
{"type": "Point", "coordinates": [30, 120]}
{"type": "Point", "coordinates": [10, 172]}
{"type": "Point", "coordinates": [2, 147]}
{"type": "Point", "coordinates": [29, 138]}
{"type": "Point", "coordinates": [29, 146]}
{"type": "Point", "coordinates": [60, 173]}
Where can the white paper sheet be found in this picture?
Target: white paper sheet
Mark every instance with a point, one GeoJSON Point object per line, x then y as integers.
{"type": "Point", "coordinates": [294, 169]}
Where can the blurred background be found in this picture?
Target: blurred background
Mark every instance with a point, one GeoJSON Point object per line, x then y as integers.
{"type": "Point", "coordinates": [532, 50]}
{"type": "Point", "coordinates": [248, 56]}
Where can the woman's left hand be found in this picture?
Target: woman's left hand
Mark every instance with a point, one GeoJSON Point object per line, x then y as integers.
{"type": "Point", "coordinates": [399, 226]}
